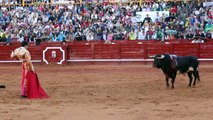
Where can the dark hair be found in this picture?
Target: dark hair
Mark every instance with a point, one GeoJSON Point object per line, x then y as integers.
{"type": "Point", "coordinates": [24, 43]}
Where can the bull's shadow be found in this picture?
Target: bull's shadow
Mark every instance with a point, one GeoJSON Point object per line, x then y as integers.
{"type": "Point", "coordinates": [171, 65]}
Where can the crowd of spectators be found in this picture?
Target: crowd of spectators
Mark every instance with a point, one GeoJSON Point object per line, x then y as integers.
{"type": "Point", "coordinates": [105, 21]}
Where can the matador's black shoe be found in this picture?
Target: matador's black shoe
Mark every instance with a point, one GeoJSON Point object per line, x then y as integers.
{"type": "Point", "coordinates": [23, 96]}
{"type": "Point", "coordinates": [2, 86]}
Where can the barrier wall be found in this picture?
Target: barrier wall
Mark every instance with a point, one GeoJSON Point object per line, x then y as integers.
{"type": "Point", "coordinates": [119, 51]}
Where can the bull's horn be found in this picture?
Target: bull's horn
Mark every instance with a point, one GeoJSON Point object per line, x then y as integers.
{"type": "Point", "coordinates": [161, 57]}
{"type": "Point", "coordinates": [152, 56]}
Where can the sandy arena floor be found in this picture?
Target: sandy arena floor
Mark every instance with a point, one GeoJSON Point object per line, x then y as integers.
{"type": "Point", "coordinates": [106, 92]}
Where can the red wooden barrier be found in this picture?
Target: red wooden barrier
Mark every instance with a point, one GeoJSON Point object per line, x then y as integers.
{"type": "Point", "coordinates": [206, 50]}
{"type": "Point", "coordinates": [5, 52]}
{"type": "Point", "coordinates": [123, 50]}
{"type": "Point", "coordinates": [80, 51]}
{"type": "Point", "coordinates": [153, 49]}
{"type": "Point", "coordinates": [109, 51]}
{"type": "Point", "coordinates": [186, 49]}
{"type": "Point", "coordinates": [132, 51]}
{"type": "Point", "coordinates": [35, 52]}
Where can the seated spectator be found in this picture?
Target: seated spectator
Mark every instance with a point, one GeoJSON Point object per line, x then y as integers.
{"type": "Point", "coordinates": [199, 34]}
{"type": "Point", "coordinates": [90, 36]}
{"type": "Point", "coordinates": [115, 36]}
{"type": "Point", "coordinates": [2, 36]}
{"type": "Point", "coordinates": [208, 26]}
{"type": "Point", "coordinates": [159, 34]}
{"type": "Point", "coordinates": [98, 34]}
{"type": "Point", "coordinates": [180, 35]}
{"type": "Point", "coordinates": [52, 37]}
{"type": "Point", "coordinates": [189, 35]}
{"type": "Point", "coordinates": [149, 34]}
{"type": "Point", "coordinates": [78, 35]}
{"type": "Point", "coordinates": [104, 35]}
{"type": "Point", "coordinates": [8, 38]}
{"type": "Point", "coordinates": [173, 11]}
{"type": "Point", "coordinates": [212, 33]}
{"type": "Point", "coordinates": [120, 35]}
{"type": "Point", "coordinates": [110, 36]}
{"type": "Point", "coordinates": [208, 34]}
{"type": "Point", "coordinates": [141, 35]}
{"type": "Point", "coordinates": [61, 37]}
{"type": "Point", "coordinates": [20, 38]}
{"type": "Point", "coordinates": [71, 35]}
{"type": "Point", "coordinates": [132, 35]}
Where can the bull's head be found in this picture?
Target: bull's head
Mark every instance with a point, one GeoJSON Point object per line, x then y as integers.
{"type": "Point", "coordinates": [158, 60]}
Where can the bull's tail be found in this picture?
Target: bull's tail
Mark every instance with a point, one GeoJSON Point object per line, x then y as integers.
{"type": "Point", "coordinates": [198, 76]}
{"type": "Point", "coordinates": [197, 71]}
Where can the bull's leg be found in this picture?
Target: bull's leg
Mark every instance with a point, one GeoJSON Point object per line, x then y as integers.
{"type": "Point", "coordinates": [195, 77]}
{"type": "Point", "coordinates": [167, 82]}
{"type": "Point", "coordinates": [190, 78]}
{"type": "Point", "coordinates": [173, 81]}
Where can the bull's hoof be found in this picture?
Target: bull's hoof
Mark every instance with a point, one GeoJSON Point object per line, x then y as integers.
{"type": "Point", "coordinates": [198, 79]}
{"type": "Point", "coordinates": [172, 87]}
{"type": "Point", "coordinates": [191, 86]}
{"type": "Point", "coordinates": [167, 86]}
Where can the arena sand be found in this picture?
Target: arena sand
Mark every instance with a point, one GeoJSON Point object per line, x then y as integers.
{"type": "Point", "coordinates": [106, 92]}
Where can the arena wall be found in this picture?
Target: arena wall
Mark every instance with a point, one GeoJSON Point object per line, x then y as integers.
{"type": "Point", "coordinates": [129, 51]}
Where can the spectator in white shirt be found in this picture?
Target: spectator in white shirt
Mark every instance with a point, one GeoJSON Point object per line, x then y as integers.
{"type": "Point", "coordinates": [90, 36]}
{"type": "Point", "coordinates": [104, 35]}
{"type": "Point", "coordinates": [20, 38]}
{"type": "Point", "coordinates": [141, 34]}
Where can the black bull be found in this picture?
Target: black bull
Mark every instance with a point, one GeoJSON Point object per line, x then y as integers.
{"type": "Point", "coordinates": [172, 64]}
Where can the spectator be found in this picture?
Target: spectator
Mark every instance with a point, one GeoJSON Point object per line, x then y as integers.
{"type": "Point", "coordinates": [110, 36]}
{"type": "Point", "coordinates": [52, 37]}
{"type": "Point", "coordinates": [132, 35]}
{"type": "Point", "coordinates": [71, 35]}
{"type": "Point", "coordinates": [104, 35]}
{"type": "Point", "coordinates": [208, 26]}
{"type": "Point", "coordinates": [98, 34]}
{"type": "Point", "coordinates": [61, 37]}
{"type": "Point", "coordinates": [149, 34]}
{"type": "Point", "coordinates": [147, 19]}
{"type": "Point", "coordinates": [90, 36]}
{"type": "Point", "coordinates": [208, 34]}
{"type": "Point", "coordinates": [20, 38]}
{"type": "Point", "coordinates": [159, 33]}
{"type": "Point", "coordinates": [120, 35]}
{"type": "Point", "coordinates": [141, 34]}
{"type": "Point", "coordinates": [190, 35]}
{"type": "Point", "coordinates": [78, 35]}
{"type": "Point", "coordinates": [157, 17]}
{"type": "Point", "coordinates": [2, 36]}
{"type": "Point", "coordinates": [75, 20]}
